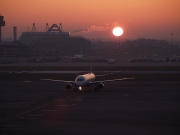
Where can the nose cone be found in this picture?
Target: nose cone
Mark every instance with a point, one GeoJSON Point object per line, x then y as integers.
{"type": "Point", "coordinates": [80, 80]}
{"type": "Point", "coordinates": [79, 83]}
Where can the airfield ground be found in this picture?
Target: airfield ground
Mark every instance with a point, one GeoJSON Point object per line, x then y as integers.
{"type": "Point", "coordinates": [149, 104]}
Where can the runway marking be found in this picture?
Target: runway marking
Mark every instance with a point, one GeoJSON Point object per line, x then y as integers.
{"type": "Point", "coordinates": [77, 99]}
{"type": "Point", "coordinates": [12, 126]}
{"type": "Point", "coordinates": [35, 115]}
{"type": "Point", "coordinates": [33, 118]}
{"type": "Point", "coordinates": [27, 81]}
{"type": "Point", "coordinates": [61, 105]}
{"type": "Point", "coordinates": [18, 115]}
{"type": "Point", "coordinates": [48, 110]}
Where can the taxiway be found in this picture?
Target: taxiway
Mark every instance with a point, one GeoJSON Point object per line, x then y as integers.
{"type": "Point", "coordinates": [127, 107]}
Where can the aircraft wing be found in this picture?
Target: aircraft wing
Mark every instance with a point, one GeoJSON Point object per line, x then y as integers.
{"type": "Point", "coordinates": [121, 79]}
{"type": "Point", "coordinates": [63, 81]}
{"type": "Point", "coordinates": [104, 74]}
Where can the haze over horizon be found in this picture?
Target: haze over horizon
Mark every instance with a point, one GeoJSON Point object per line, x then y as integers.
{"type": "Point", "coordinates": [95, 19]}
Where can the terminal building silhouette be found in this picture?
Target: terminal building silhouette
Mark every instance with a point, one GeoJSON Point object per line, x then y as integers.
{"type": "Point", "coordinates": [55, 41]}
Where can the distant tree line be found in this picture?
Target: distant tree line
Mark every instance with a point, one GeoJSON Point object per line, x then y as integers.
{"type": "Point", "coordinates": [133, 48]}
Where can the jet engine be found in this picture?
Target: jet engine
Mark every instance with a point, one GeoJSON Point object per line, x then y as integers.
{"type": "Point", "coordinates": [68, 86]}
{"type": "Point", "coordinates": [100, 86]}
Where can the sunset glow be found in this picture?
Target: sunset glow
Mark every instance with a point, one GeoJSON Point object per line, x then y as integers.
{"type": "Point", "coordinates": [95, 18]}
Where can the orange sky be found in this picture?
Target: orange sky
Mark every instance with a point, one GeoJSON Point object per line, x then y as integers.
{"type": "Point", "coordinates": [139, 18]}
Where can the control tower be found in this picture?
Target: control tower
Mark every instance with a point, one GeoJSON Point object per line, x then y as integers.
{"type": "Point", "coordinates": [2, 23]}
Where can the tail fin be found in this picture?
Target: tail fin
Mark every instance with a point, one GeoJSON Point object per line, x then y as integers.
{"type": "Point", "coordinates": [92, 57]}
{"type": "Point", "coordinates": [91, 64]}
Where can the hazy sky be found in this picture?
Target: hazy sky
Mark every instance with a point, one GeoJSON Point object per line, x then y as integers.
{"type": "Point", "coordinates": [139, 18]}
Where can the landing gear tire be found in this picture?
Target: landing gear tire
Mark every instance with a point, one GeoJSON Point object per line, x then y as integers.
{"type": "Point", "coordinates": [97, 89]}
{"type": "Point", "coordinates": [75, 89]}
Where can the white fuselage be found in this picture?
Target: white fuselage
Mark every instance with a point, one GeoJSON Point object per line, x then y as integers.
{"type": "Point", "coordinates": [83, 80]}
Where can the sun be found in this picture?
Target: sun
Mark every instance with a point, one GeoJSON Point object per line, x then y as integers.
{"type": "Point", "coordinates": [117, 31]}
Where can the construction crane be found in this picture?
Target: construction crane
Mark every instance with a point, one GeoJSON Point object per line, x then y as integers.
{"type": "Point", "coordinates": [55, 28]}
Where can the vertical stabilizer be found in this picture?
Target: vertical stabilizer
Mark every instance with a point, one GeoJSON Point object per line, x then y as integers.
{"type": "Point", "coordinates": [92, 56]}
{"type": "Point", "coordinates": [91, 65]}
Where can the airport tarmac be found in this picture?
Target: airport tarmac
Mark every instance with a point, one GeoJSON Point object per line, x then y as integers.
{"type": "Point", "coordinates": [126, 107]}
{"type": "Point", "coordinates": [64, 64]}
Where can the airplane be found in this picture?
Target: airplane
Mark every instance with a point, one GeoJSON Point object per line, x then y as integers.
{"type": "Point", "coordinates": [77, 56]}
{"type": "Point", "coordinates": [110, 61]}
{"type": "Point", "coordinates": [86, 80]}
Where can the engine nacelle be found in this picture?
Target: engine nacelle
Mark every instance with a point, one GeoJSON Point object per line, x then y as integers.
{"type": "Point", "coordinates": [100, 86]}
{"type": "Point", "coordinates": [68, 86]}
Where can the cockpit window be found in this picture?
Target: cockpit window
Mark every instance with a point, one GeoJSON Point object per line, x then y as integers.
{"type": "Point", "coordinates": [80, 79]}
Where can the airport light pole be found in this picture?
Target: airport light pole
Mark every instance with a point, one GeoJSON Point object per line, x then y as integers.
{"type": "Point", "coordinates": [2, 23]}
{"type": "Point", "coordinates": [172, 34]}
